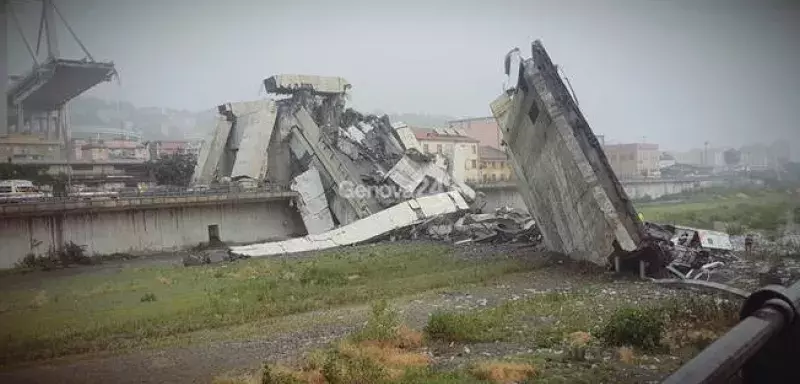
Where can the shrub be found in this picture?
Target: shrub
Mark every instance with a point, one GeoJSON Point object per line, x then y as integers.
{"type": "Point", "coordinates": [382, 325]}
{"type": "Point", "coordinates": [340, 369]}
{"type": "Point", "coordinates": [576, 344]}
{"type": "Point", "coordinates": [148, 297]}
{"type": "Point", "coordinates": [270, 376]}
{"type": "Point", "coordinates": [455, 327]}
{"type": "Point", "coordinates": [502, 372]}
{"type": "Point", "coordinates": [67, 255]}
{"type": "Point", "coordinates": [637, 327]}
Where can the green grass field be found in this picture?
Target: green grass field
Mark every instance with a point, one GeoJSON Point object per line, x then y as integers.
{"type": "Point", "coordinates": [98, 312]}
{"type": "Point", "coordinates": [759, 210]}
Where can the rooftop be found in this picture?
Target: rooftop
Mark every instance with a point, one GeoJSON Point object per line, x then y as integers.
{"type": "Point", "coordinates": [632, 146]}
{"type": "Point", "coordinates": [486, 118]}
{"type": "Point", "coordinates": [442, 134]}
{"type": "Point", "coordinates": [491, 153]}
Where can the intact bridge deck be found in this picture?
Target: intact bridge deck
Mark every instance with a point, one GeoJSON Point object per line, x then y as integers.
{"type": "Point", "coordinates": [45, 207]}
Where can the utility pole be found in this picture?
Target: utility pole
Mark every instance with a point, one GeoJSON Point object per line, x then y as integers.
{"type": "Point", "coordinates": [4, 67]}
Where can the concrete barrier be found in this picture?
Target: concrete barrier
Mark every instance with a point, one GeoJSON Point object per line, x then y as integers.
{"type": "Point", "coordinates": [145, 225]}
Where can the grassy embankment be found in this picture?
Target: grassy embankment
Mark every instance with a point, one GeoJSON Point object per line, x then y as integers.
{"type": "Point", "coordinates": [738, 211]}
{"type": "Point", "coordinates": [580, 337]}
{"type": "Point", "coordinates": [96, 312]}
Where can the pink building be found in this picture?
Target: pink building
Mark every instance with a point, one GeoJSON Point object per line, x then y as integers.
{"type": "Point", "coordinates": [171, 147]}
{"type": "Point", "coordinates": [483, 129]}
{"type": "Point", "coordinates": [104, 150]}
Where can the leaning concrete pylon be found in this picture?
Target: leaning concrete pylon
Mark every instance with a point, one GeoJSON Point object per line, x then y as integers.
{"type": "Point", "coordinates": [564, 176]}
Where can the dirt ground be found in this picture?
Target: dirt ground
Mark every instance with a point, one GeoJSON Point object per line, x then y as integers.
{"type": "Point", "coordinates": [200, 361]}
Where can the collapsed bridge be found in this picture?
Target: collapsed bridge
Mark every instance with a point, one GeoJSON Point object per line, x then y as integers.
{"type": "Point", "coordinates": [303, 135]}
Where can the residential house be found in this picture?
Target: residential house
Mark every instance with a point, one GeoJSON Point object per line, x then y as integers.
{"type": "Point", "coordinates": [495, 165]}
{"type": "Point", "coordinates": [109, 150]}
{"type": "Point", "coordinates": [484, 129]}
{"type": "Point", "coordinates": [21, 146]}
{"type": "Point", "coordinates": [161, 148]}
{"type": "Point", "coordinates": [460, 151]}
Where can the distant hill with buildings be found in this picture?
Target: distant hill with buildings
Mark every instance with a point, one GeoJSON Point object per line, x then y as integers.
{"type": "Point", "coordinates": [90, 115]}
{"type": "Point", "coordinates": [418, 120]}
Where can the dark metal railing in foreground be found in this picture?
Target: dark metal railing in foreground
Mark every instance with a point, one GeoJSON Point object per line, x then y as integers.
{"type": "Point", "coordinates": [763, 348]}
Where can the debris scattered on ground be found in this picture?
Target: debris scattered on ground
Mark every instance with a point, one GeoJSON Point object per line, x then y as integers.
{"type": "Point", "coordinates": [693, 255]}
{"type": "Point", "coordinates": [209, 256]}
{"type": "Point", "coordinates": [504, 225]}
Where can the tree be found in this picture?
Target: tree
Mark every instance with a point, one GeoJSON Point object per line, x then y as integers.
{"type": "Point", "coordinates": [37, 174]}
{"type": "Point", "coordinates": [732, 157]}
{"type": "Point", "coordinates": [174, 169]}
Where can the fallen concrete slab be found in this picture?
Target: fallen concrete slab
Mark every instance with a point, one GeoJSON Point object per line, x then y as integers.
{"type": "Point", "coordinates": [402, 215]}
{"type": "Point", "coordinates": [312, 203]}
{"type": "Point", "coordinates": [564, 177]}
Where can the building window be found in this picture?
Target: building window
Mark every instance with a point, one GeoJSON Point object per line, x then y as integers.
{"type": "Point", "coordinates": [474, 149]}
{"type": "Point", "coordinates": [494, 177]}
{"type": "Point", "coordinates": [425, 148]}
{"type": "Point", "coordinates": [474, 164]}
{"type": "Point", "coordinates": [438, 148]}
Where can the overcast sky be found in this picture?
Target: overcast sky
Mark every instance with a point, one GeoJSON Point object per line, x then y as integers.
{"type": "Point", "coordinates": [672, 72]}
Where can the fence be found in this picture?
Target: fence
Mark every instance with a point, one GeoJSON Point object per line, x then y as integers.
{"type": "Point", "coordinates": [763, 348]}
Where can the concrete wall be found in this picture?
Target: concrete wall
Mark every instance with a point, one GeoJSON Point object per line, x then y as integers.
{"type": "Point", "coordinates": [655, 190]}
{"type": "Point", "coordinates": [507, 195]}
{"type": "Point", "coordinates": [138, 231]}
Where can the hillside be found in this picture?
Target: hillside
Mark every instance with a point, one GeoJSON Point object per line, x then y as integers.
{"type": "Point", "coordinates": [89, 115]}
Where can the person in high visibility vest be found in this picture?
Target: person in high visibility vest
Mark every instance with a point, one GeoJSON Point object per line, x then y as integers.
{"type": "Point", "coordinates": [641, 217]}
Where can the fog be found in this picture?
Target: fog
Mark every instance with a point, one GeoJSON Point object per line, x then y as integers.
{"type": "Point", "coordinates": [675, 73]}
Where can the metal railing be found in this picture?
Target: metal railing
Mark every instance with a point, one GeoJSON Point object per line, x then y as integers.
{"type": "Point", "coordinates": [155, 193]}
{"type": "Point", "coordinates": [763, 348]}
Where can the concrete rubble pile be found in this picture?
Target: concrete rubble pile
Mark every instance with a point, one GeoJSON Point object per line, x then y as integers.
{"type": "Point", "coordinates": [691, 253]}
{"type": "Point", "coordinates": [345, 166]}
{"type": "Point", "coordinates": [505, 225]}
{"type": "Point", "coordinates": [713, 259]}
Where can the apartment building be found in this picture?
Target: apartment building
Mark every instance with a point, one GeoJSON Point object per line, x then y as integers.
{"type": "Point", "coordinates": [107, 150]}
{"type": "Point", "coordinates": [22, 147]}
{"type": "Point", "coordinates": [634, 160]}
{"type": "Point", "coordinates": [460, 150]}
{"type": "Point", "coordinates": [494, 165]}
{"type": "Point", "coordinates": [484, 129]}
{"type": "Point", "coordinates": [163, 148]}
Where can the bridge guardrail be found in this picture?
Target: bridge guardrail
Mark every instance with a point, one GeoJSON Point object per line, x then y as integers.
{"type": "Point", "coordinates": [232, 193]}
{"type": "Point", "coordinates": [763, 348]}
